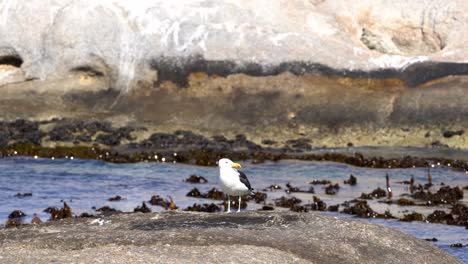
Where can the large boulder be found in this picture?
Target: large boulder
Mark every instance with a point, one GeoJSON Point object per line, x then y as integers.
{"type": "Point", "coordinates": [250, 237]}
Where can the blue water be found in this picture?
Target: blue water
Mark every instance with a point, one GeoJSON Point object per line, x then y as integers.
{"type": "Point", "coordinates": [84, 184]}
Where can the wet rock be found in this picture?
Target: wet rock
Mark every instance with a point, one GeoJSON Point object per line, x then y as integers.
{"type": "Point", "coordinates": [16, 214]}
{"type": "Point", "coordinates": [215, 194]}
{"type": "Point", "coordinates": [196, 179]}
{"type": "Point", "coordinates": [241, 141]}
{"type": "Point", "coordinates": [460, 213]}
{"type": "Point", "coordinates": [431, 239]}
{"type": "Point", "coordinates": [439, 216]}
{"type": "Point", "coordinates": [360, 209]}
{"type": "Point", "coordinates": [445, 195]}
{"type": "Point", "coordinates": [332, 189]}
{"type": "Point", "coordinates": [292, 189]}
{"type": "Point", "coordinates": [86, 215]}
{"type": "Point", "coordinates": [268, 208]}
{"type": "Point", "coordinates": [404, 202]}
{"type": "Point", "coordinates": [351, 181]}
{"type": "Point", "coordinates": [273, 187]}
{"type": "Point", "coordinates": [23, 194]}
{"type": "Point", "coordinates": [287, 202]}
{"type": "Point", "coordinates": [412, 217]}
{"type": "Point", "coordinates": [143, 208]}
{"type": "Point", "coordinates": [334, 208]}
{"type": "Point", "coordinates": [449, 134]}
{"type": "Point", "coordinates": [386, 215]}
{"type": "Point", "coordinates": [299, 208]}
{"type": "Point", "coordinates": [115, 198]}
{"type": "Point", "coordinates": [323, 182]}
{"type": "Point", "coordinates": [318, 205]}
{"type": "Point", "coordinates": [299, 144]}
{"type": "Point", "coordinates": [195, 193]}
{"type": "Point", "coordinates": [258, 197]}
{"type": "Point", "coordinates": [207, 208]}
{"type": "Point", "coordinates": [377, 193]}
{"type": "Point", "coordinates": [157, 200]}
{"type": "Point", "coordinates": [465, 188]}
{"type": "Point", "coordinates": [59, 213]}
{"type": "Point", "coordinates": [268, 142]}
{"type": "Point", "coordinates": [235, 204]}
{"type": "Point", "coordinates": [114, 137]}
{"type": "Point", "coordinates": [107, 209]}
{"type": "Point", "coordinates": [15, 222]}
{"type": "Point", "coordinates": [36, 220]}
{"type": "Point", "coordinates": [458, 245]}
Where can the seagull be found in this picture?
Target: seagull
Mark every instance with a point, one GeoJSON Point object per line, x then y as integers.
{"type": "Point", "coordinates": [233, 181]}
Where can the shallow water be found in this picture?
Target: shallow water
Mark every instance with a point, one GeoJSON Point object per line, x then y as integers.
{"type": "Point", "coordinates": [87, 183]}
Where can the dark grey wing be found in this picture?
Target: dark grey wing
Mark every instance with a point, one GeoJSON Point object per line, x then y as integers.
{"type": "Point", "coordinates": [244, 180]}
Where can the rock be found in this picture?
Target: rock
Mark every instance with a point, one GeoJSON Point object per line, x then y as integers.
{"type": "Point", "coordinates": [107, 209]}
{"type": "Point", "coordinates": [115, 198]}
{"type": "Point", "coordinates": [207, 71]}
{"type": "Point", "coordinates": [196, 179]}
{"type": "Point", "coordinates": [319, 205]}
{"type": "Point", "coordinates": [460, 214]}
{"type": "Point", "coordinates": [214, 194]}
{"type": "Point", "coordinates": [360, 209]}
{"type": "Point", "coordinates": [377, 193]}
{"type": "Point", "coordinates": [287, 202]}
{"type": "Point", "coordinates": [158, 200]}
{"type": "Point", "coordinates": [258, 197]}
{"type": "Point", "coordinates": [445, 195]}
{"type": "Point", "coordinates": [413, 217]}
{"type": "Point", "coordinates": [332, 189]}
{"type": "Point", "coordinates": [439, 216]}
{"type": "Point", "coordinates": [404, 202]}
{"type": "Point", "coordinates": [247, 237]}
{"type": "Point", "coordinates": [458, 245]}
{"type": "Point", "coordinates": [59, 213]}
{"type": "Point", "coordinates": [351, 181]}
{"type": "Point", "coordinates": [292, 189]}
{"type": "Point", "coordinates": [334, 208]}
{"type": "Point", "coordinates": [208, 208]}
{"type": "Point", "coordinates": [195, 193]}
{"type": "Point", "coordinates": [431, 239]}
{"type": "Point", "coordinates": [324, 182]}
{"type": "Point", "coordinates": [267, 208]}
{"type": "Point", "coordinates": [143, 208]}
{"type": "Point", "coordinates": [166, 204]}
{"type": "Point", "coordinates": [449, 134]}
{"type": "Point", "coordinates": [273, 187]}
{"type": "Point", "coordinates": [23, 194]}
{"type": "Point", "coordinates": [16, 214]}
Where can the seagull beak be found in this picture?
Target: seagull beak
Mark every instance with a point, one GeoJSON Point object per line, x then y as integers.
{"type": "Point", "coordinates": [236, 165]}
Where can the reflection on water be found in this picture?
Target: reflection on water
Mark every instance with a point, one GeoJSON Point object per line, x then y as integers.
{"type": "Point", "coordinates": [84, 184]}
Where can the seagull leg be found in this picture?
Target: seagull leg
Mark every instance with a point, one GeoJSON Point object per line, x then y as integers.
{"type": "Point", "coordinates": [238, 210]}
{"type": "Point", "coordinates": [229, 204]}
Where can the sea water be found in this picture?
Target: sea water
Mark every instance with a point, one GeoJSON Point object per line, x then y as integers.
{"type": "Point", "coordinates": [88, 184]}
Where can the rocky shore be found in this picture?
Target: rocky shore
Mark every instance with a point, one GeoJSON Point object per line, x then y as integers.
{"type": "Point", "coordinates": [328, 73]}
{"type": "Point", "coordinates": [182, 237]}
{"type": "Point", "coordinates": [66, 138]}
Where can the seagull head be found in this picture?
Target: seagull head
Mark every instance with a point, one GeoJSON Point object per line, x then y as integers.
{"type": "Point", "coordinates": [227, 163]}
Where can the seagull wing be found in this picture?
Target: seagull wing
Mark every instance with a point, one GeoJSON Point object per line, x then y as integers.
{"type": "Point", "coordinates": [244, 180]}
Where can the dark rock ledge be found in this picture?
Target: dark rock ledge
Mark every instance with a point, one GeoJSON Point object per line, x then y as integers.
{"type": "Point", "coordinates": [249, 237]}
